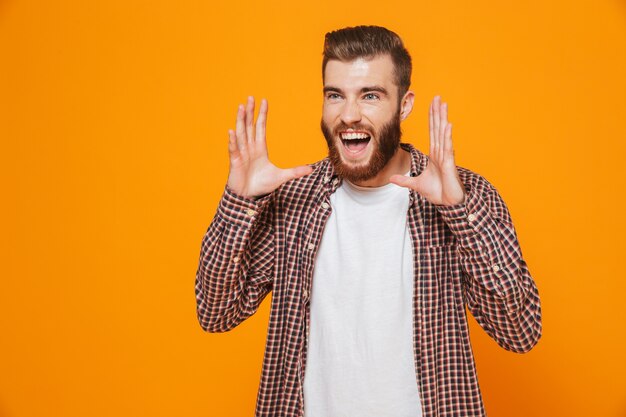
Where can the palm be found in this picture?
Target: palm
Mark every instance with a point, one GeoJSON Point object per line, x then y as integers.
{"type": "Point", "coordinates": [251, 173]}
{"type": "Point", "coordinates": [439, 183]}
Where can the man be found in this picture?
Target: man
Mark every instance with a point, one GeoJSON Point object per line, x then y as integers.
{"type": "Point", "coordinates": [371, 253]}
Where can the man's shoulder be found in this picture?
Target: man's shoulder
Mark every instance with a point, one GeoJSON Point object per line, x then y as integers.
{"type": "Point", "coordinates": [481, 190]}
{"type": "Point", "coordinates": [308, 184]}
{"type": "Point", "coordinates": [474, 179]}
{"type": "Point", "coordinates": [467, 176]}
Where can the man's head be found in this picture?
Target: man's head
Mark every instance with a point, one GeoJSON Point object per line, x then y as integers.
{"type": "Point", "coordinates": [350, 43]}
{"type": "Point", "coordinates": [366, 72]}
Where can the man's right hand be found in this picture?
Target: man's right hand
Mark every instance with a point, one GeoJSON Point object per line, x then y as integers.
{"type": "Point", "coordinates": [251, 173]}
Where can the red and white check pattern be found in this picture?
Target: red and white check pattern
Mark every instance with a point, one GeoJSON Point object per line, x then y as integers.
{"type": "Point", "coordinates": [466, 254]}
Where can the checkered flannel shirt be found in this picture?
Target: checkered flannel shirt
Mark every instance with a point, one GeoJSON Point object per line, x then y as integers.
{"type": "Point", "coordinates": [464, 254]}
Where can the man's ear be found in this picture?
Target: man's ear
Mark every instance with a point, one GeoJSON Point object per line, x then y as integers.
{"type": "Point", "coordinates": [406, 105]}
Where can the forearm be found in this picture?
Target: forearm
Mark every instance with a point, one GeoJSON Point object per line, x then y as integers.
{"type": "Point", "coordinates": [236, 262]}
{"type": "Point", "coordinates": [498, 287]}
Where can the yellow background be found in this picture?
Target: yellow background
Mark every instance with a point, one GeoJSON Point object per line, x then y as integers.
{"type": "Point", "coordinates": [114, 119]}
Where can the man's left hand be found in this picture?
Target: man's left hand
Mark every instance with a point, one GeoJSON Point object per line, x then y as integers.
{"type": "Point", "coordinates": [439, 183]}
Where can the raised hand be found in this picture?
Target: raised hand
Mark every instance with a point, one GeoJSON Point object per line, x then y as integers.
{"type": "Point", "coordinates": [439, 183]}
{"type": "Point", "coordinates": [251, 173]}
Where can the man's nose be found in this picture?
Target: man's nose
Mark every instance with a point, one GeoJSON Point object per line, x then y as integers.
{"type": "Point", "coordinates": [351, 113]}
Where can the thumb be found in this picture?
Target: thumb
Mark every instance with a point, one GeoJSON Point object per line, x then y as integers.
{"type": "Point", "coordinates": [402, 181]}
{"type": "Point", "coordinates": [297, 172]}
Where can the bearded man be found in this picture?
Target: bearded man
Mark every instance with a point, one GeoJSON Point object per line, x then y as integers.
{"type": "Point", "coordinates": [372, 254]}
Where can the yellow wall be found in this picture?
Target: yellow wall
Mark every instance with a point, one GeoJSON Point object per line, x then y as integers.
{"type": "Point", "coordinates": [114, 118]}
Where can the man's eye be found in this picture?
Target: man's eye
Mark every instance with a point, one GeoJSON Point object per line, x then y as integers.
{"type": "Point", "coordinates": [371, 96]}
{"type": "Point", "coordinates": [333, 96]}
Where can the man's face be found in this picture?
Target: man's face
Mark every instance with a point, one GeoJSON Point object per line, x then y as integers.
{"type": "Point", "coordinates": [361, 116]}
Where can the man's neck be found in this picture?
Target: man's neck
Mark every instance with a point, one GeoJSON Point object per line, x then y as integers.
{"type": "Point", "coordinates": [399, 164]}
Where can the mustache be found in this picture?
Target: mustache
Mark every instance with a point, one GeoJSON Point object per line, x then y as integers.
{"type": "Point", "coordinates": [342, 127]}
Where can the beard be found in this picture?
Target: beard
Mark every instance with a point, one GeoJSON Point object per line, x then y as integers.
{"type": "Point", "coordinates": [386, 142]}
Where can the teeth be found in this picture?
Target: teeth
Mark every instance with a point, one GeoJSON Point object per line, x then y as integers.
{"type": "Point", "coordinates": [350, 135]}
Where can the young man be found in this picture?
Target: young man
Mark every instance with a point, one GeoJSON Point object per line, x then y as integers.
{"type": "Point", "coordinates": [372, 254]}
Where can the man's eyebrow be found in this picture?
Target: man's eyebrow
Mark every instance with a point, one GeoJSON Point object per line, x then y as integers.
{"type": "Point", "coordinates": [333, 89]}
{"type": "Point", "coordinates": [377, 88]}
{"type": "Point", "coordinates": [367, 89]}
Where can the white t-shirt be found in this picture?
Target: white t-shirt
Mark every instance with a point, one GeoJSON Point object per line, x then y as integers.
{"type": "Point", "coordinates": [360, 353]}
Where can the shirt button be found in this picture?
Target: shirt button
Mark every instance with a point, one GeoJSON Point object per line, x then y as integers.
{"type": "Point", "coordinates": [325, 205]}
{"type": "Point", "coordinates": [326, 179]}
{"type": "Point", "coordinates": [336, 181]}
{"type": "Point", "coordinates": [236, 259]}
{"type": "Point", "coordinates": [250, 212]}
{"type": "Point", "coordinates": [311, 246]}
{"type": "Point", "coordinates": [495, 268]}
{"type": "Point", "coordinates": [471, 217]}
{"type": "Point", "coordinates": [306, 293]}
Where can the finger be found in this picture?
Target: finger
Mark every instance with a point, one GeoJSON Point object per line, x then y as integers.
{"type": "Point", "coordinates": [240, 131]}
{"type": "Point", "coordinates": [436, 121]}
{"type": "Point", "coordinates": [233, 150]}
{"type": "Point", "coordinates": [444, 118]}
{"type": "Point", "coordinates": [260, 122]}
{"type": "Point", "coordinates": [443, 122]}
{"type": "Point", "coordinates": [447, 147]}
{"type": "Point", "coordinates": [402, 181]}
{"type": "Point", "coordinates": [431, 128]}
{"type": "Point", "coordinates": [250, 119]}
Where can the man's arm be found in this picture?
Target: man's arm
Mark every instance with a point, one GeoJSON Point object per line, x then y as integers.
{"type": "Point", "coordinates": [235, 271]}
{"type": "Point", "coordinates": [498, 287]}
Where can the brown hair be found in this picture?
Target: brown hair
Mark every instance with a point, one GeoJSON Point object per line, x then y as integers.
{"type": "Point", "coordinates": [350, 43]}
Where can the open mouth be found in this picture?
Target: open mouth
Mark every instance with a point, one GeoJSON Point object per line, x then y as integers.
{"type": "Point", "coordinates": [355, 142]}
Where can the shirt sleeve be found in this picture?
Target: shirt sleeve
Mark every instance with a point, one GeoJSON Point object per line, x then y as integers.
{"type": "Point", "coordinates": [498, 287]}
{"type": "Point", "coordinates": [236, 265]}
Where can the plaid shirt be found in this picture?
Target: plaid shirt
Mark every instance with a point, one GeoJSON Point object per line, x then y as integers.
{"type": "Point", "coordinates": [465, 254]}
